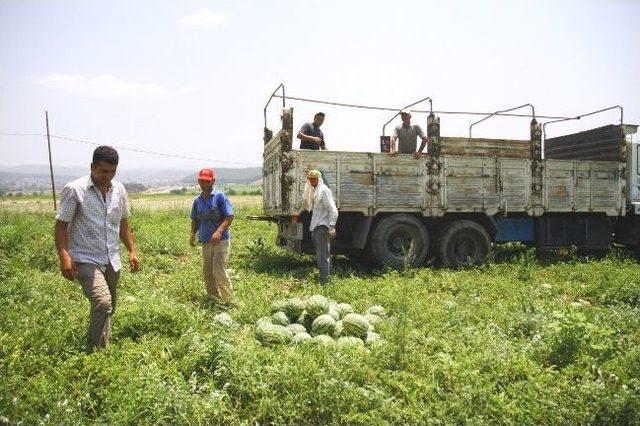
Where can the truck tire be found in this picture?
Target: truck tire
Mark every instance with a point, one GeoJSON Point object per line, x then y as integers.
{"type": "Point", "coordinates": [463, 243]}
{"type": "Point", "coordinates": [392, 237]}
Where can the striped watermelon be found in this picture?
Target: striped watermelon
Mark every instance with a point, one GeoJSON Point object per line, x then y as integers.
{"type": "Point", "coordinates": [293, 308]}
{"type": "Point", "coordinates": [344, 309]}
{"type": "Point", "coordinates": [323, 340]}
{"type": "Point", "coordinates": [334, 314]}
{"type": "Point", "coordinates": [317, 305]}
{"type": "Point", "coordinates": [355, 325]}
{"type": "Point", "coordinates": [301, 338]}
{"type": "Point", "coordinates": [273, 335]}
{"type": "Point", "coordinates": [324, 324]}
{"type": "Point", "coordinates": [372, 338]}
{"type": "Point", "coordinates": [280, 318]}
{"type": "Point", "coordinates": [264, 321]}
{"type": "Point", "coordinates": [350, 341]}
{"type": "Point", "coordinates": [374, 320]}
{"type": "Point", "coordinates": [337, 331]}
{"type": "Point", "coordinates": [377, 310]}
{"type": "Point", "coordinates": [296, 328]}
{"type": "Point", "coordinates": [278, 305]}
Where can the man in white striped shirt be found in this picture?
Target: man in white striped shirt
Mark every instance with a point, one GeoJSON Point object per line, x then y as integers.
{"type": "Point", "coordinates": [93, 217]}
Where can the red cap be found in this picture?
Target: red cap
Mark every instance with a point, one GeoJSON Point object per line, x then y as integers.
{"type": "Point", "coordinates": [206, 174]}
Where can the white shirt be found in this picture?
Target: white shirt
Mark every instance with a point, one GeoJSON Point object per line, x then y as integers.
{"type": "Point", "coordinates": [94, 221]}
{"type": "Point", "coordinates": [324, 208]}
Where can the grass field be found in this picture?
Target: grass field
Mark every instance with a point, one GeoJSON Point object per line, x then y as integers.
{"type": "Point", "coordinates": [517, 340]}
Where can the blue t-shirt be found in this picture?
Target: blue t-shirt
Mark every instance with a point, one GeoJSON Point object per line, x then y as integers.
{"type": "Point", "coordinates": [210, 213]}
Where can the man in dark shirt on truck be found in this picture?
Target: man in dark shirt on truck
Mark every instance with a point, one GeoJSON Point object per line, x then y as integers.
{"type": "Point", "coordinates": [310, 135]}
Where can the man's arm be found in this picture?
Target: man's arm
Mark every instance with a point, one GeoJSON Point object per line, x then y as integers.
{"type": "Point", "coordinates": [302, 135]}
{"type": "Point", "coordinates": [333, 211]}
{"type": "Point", "coordinates": [192, 234]}
{"type": "Point", "coordinates": [224, 225]}
{"type": "Point", "coordinates": [126, 236]}
{"type": "Point", "coordinates": [422, 146]}
{"type": "Point", "coordinates": [67, 267]}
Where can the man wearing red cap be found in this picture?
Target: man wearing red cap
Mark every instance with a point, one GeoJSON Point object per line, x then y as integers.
{"type": "Point", "coordinates": [211, 216]}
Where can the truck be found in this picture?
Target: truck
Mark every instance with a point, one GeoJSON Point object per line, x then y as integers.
{"type": "Point", "coordinates": [464, 196]}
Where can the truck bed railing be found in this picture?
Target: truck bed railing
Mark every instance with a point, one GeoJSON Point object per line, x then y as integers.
{"type": "Point", "coordinates": [533, 114]}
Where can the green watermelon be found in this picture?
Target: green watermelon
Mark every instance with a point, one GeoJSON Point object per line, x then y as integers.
{"type": "Point", "coordinates": [280, 318]}
{"type": "Point", "coordinates": [355, 325]}
{"type": "Point", "coordinates": [338, 329]}
{"type": "Point", "coordinates": [300, 338]}
{"type": "Point", "coordinates": [293, 308]}
{"type": "Point", "coordinates": [324, 324]}
{"type": "Point", "coordinates": [317, 305]}
{"type": "Point", "coordinates": [377, 310]}
{"type": "Point", "coordinates": [224, 319]}
{"type": "Point", "coordinates": [278, 305]}
{"type": "Point", "coordinates": [372, 338]}
{"type": "Point", "coordinates": [263, 321]}
{"type": "Point", "coordinates": [334, 314]}
{"type": "Point", "coordinates": [323, 340]}
{"type": "Point", "coordinates": [306, 320]}
{"type": "Point", "coordinates": [350, 341]}
{"type": "Point", "coordinates": [373, 319]}
{"type": "Point", "coordinates": [296, 328]}
{"type": "Point", "coordinates": [344, 309]}
{"type": "Point", "coordinates": [273, 335]}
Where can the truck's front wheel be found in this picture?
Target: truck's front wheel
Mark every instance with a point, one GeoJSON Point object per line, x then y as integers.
{"type": "Point", "coordinates": [397, 237]}
{"type": "Point", "coordinates": [463, 243]}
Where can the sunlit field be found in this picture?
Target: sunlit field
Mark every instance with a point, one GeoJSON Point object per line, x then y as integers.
{"type": "Point", "coordinates": [517, 340]}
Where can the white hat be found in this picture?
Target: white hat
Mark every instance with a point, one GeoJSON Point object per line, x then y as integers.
{"type": "Point", "coordinates": [405, 111]}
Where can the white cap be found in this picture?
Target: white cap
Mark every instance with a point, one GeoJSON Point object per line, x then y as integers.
{"type": "Point", "coordinates": [405, 111]}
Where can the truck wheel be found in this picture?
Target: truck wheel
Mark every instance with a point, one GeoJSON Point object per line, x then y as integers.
{"type": "Point", "coordinates": [463, 243]}
{"type": "Point", "coordinates": [396, 236]}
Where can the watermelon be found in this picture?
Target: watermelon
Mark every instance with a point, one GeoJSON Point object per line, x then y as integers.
{"type": "Point", "coordinates": [323, 340]}
{"type": "Point", "coordinates": [306, 320]}
{"type": "Point", "coordinates": [293, 308]}
{"type": "Point", "coordinates": [324, 324]}
{"type": "Point", "coordinates": [224, 319]}
{"type": "Point", "coordinates": [300, 338]}
{"type": "Point", "coordinates": [317, 305]}
{"type": "Point", "coordinates": [280, 318]}
{"type": "Point", "coordinates": [337, 331]}
{"type": "Point", "coordinates": [344, 309]}
{"type": "Point", "coordinates": [334, 314]}
{"type": "Point", "coordinates": [273, 335]}
{"type": "Point", "coordinates": [373, 319]}
{"type": "Point", "coordinates": [372, 338]}
{"type": "Point", "coordinates": [296, 328]}
{"type": "Point", "coordinates": [355, 325]}
{"type": "Point", "coordinates": [278, 305]}
{"type": "Point", "coordinates": [377, 310]}
{"type": "Point", "coordinates": [261, 322]}
{"type": "Point", "coordinates": [350, 341]}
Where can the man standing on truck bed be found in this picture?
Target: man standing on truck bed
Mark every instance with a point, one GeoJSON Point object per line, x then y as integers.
{"type": "Point", "coordinates": [408, 135]}
{"type": "Point", "coordinates": [211, 216]}
{"type": "Point", "coordinates": [323, 221]}
{"type": "Point", "coordinates": [310, 135]}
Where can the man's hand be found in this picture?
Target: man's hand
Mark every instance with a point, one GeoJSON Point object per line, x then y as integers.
{"type": "Point", "coordinates": [133, 261]}
{"type": "Point", "coordinates": [317, 140]}
{"type": "Point", "coordinates": [192, 238]}
{"type": "Point", "coordinates": [67, 267]}
{"type": "Point", "coordinates": [393, 153]}
{"type": "Point", "coordinates": [216, 237]}
{"type": "Point", "coordinates": [332, 233]}
{"type": "Point", "coordinates": [417, 154]}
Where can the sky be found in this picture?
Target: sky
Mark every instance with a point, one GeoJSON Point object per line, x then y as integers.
{"type": "Point", "coordinates": [191, 78]}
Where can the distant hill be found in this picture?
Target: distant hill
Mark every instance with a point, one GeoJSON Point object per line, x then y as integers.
{"type": "Point", "coordinates": [35, 178]}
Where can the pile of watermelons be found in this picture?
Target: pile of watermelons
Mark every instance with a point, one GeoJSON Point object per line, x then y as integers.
{"type": "Point", "coordinates": [320, 320]}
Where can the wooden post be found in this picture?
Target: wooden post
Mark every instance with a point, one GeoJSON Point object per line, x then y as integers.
{"type": "Point", "coordinates": [53, 185]}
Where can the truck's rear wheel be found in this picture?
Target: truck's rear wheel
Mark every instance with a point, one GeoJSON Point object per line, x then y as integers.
{"type": "Point", "coordinates": [396, 237]}
{"type": "Point", "coordinates": [463, 243]}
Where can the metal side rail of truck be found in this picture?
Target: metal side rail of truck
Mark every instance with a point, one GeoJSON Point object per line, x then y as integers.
{"type": "Point", "coordinates": [464, 195]}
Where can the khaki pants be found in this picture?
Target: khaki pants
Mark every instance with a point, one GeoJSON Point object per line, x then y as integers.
{"type": "Point", "coordinates": [215, 258]}
{"type": "Point", "coordinates": [100, 288]}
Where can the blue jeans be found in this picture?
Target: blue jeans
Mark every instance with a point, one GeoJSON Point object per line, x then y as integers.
{"type": "Point", "coordinates": [321, 242]}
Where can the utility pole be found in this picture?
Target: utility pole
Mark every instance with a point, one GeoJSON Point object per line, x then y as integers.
{"type": "Point", "coordinates": [53, 185]}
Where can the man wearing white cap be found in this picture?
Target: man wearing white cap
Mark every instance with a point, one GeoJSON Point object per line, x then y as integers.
{"type": "Point", "coordinates": [323, 221]}
{"type": "Point", "coordinates": [408, 136]}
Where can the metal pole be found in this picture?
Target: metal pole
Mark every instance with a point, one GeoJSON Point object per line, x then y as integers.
{"type": "Point", "coordinates": [53, 185]}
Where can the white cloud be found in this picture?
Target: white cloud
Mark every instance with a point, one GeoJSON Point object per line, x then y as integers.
{"type": "Point", "coordinates": [205, 18]}
{"type": "Point", "coordinates": [101, 86]}
{"type": "Point", "coordinates": [185, 90]}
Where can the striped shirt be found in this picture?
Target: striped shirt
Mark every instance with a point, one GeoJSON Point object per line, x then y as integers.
{"type": "Point", "coordinates": [94, 221]}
